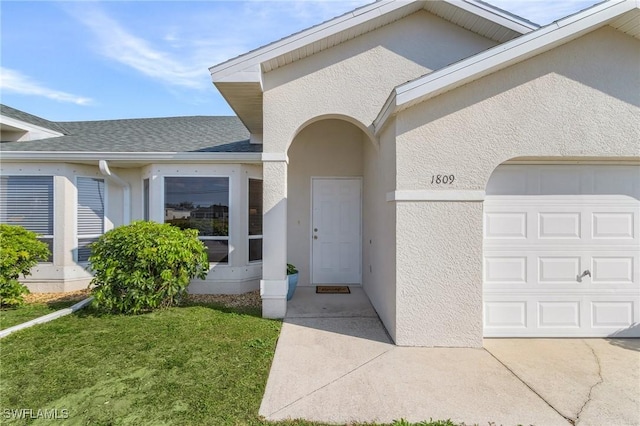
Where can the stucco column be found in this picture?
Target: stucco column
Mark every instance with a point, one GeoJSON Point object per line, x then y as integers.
{"type": "Point", "coordinates": [274, 286]}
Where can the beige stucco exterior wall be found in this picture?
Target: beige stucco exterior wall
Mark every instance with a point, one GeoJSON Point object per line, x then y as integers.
{"type": "Point", "coordinates": [354, 78]}
{"type": "Point", "coordinates": [379, 228]}
{"type": "Point", "coordinates": [350, 81]}
{"type": "Point", "coordinates": [238, 275]}
{"type": "Point", "coordinates": [329, 148]}
{"type": "Point", "coordinates": [578, 100]}
{"type": "Point", "coordinates": [65, 273]}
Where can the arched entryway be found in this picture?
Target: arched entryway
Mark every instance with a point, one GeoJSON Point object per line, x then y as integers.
{"type": "Point", "coordinates": [325, 195]}
{"type": "Point", "coordinates": [562, 250]}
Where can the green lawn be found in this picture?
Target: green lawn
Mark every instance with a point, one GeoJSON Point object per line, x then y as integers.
{"type": "Point", "coordinates": [192, 365]}
{"type": "Point", "coordinates": [14, 316]}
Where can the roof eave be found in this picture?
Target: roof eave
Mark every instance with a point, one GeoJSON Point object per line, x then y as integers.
{"type": "Point", "coordinates": [131, 157]}
{"type": "Point", "coordinates": [257, 57]}
{"type": "Point", "coordinates": [500, 57]}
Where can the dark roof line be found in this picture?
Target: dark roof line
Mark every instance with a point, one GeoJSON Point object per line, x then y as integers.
{"type": "Point", "coordinates": [162, 134]}
{"type": "Point", "coordinates": [30, 118]}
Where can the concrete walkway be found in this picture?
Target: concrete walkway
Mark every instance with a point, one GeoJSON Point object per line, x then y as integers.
{"type": "Point", "coordinates": [335, 363]}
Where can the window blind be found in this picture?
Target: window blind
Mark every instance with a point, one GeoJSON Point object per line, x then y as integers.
{"type": "Point", "coordinates": [27, 201]}
{"type": "Point", "coordinates": [90, 214]}
{"type": "Point", "coordinates": [90, 206]}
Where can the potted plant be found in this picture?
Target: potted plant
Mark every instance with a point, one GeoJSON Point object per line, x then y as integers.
{"type": "Point", "coordinates": [292, 277]}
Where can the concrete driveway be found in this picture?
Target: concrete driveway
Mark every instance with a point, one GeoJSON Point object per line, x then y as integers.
{"type": "Point", "coordinates": [335, 363]}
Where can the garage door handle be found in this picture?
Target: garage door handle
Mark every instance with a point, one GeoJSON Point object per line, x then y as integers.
{"type": "Point", "coordinates": [584, 274]}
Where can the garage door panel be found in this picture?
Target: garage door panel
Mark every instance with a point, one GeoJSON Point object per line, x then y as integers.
{"type": "Point", "coordinates": [505, 269]}
{"type": "Point", "coordinates": [559, 269]}
{"type": "Point", "coordinates": [613, 225]}
{"type": "Point", "coordinates": [505, 314]}
{"type": "Point", "coordinates": [562, 258]}
{"type": "Point", "coordinates": [511, 225]}
{"type": "Point", "coordinates": [559, 314]}
{"type": "Point", "coordinates": [613, 270]}
{"type": "Point", "coordinates": [559, 225]}
{"type": "Point", "coordinates": [607, 314]}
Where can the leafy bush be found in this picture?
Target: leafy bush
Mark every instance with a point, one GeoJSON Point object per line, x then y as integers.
{"type": "Point", "coordinates": [145, 265]}
{"type": "Point", "coordinates": [291, 269]}
{"type": "Point", "coordinates": [20, 250]}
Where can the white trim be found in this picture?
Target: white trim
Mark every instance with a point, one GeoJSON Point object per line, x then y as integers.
{"type": "Point", "coordinates": [103, 165]}
{"type": "Point", "coordinates": [28, 128]}
{"type": "Point", "coordinates": [274, 289]}
{"type": "Point", "coordinates": [255, 138]}
{"type": "Point", "coordinates": [275, 157]}
{"type": "Point", "coordinates": [133, 157]}
{"type": "Point", "coordinates": [442, 195]}
{"type": "Point", "coordinates": [244, 65]}
{"type": "Point", "coordinates": [499, 57]}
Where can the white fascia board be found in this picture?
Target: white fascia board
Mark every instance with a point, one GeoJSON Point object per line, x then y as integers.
{"type": "Point", "coordinates": [275, 157]}
{"type": "Point", "coordinates": [436, 195]}
{"type": "Point", "coordinates": [506, 54]}
{"type": "Point", "coordinates": [252, 74]}
{"type": "Point", "coordinates": [159, 157]}
{"type": "Point", "coordinates": [507, 20]}
{"type": "Point", "coordinates": [28, 127]}
{"type": "Point", "coordinates": [388, 109]}
{"type": "Point", "coordinates": [303, 38]}
{"type": "Point", "coordinates": [223, 71]}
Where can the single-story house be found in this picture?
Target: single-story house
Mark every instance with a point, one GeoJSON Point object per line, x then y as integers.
{"type": "Point", "coordinates": [476, 174]}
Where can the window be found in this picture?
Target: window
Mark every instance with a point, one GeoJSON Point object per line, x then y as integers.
{"type": "Point", "coordinates": [200, 203]}
{"type": "Point", "coordinates": [90, 212]}
{"type": "Point", "coordinates": [145, 199]}
{"type": "Point", "coordinates": [28, 201]}
{"type": "Point", "coordinates": [255, 220]}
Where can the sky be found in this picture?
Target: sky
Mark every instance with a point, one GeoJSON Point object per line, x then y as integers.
{"type": "Point", "coordinates": [90, 60]}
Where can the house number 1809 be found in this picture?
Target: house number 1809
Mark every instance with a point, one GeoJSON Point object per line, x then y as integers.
{"type": "Point", "coordinates": [442, 179]}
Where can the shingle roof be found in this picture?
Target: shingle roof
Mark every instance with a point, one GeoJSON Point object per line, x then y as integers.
{"type": "Point", "coordinates": [29, 118]}
{"type": "Point", "coordinates": [170, 134]}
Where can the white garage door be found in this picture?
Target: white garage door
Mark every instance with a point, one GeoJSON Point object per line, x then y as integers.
{"type": "Point", "coordinates": [562, 251]}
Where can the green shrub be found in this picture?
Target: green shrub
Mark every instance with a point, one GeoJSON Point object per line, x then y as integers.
{"type": "Point", "coordinates": [145, 265]}
{"type": "Point", "coordinates": [20, 251]}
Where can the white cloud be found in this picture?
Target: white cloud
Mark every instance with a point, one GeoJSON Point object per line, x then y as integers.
{"type": "Point", "coordinates": [117, 43]}
{"type": "Point", "coordinates": [13, 81]}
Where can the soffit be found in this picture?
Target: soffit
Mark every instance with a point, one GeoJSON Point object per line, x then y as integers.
{"type": "Point", "coordinates": [465, 18]}
{"type": "Point", "coordinates": [629, 23]}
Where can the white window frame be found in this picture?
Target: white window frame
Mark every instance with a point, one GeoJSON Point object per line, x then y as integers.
{"type": "Point", "coordinates": [146, 201]}
{"type": "Point", "coordinates": [207, 238]}
{"type": "Point", "coordinates": [78, 237]}
{"type": "Point", "coordinates": [254, 237]}
{"type": "Point", "coordinates": [53, 211]}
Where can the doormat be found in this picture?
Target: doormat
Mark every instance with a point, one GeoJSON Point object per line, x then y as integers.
{"type": "Point", "coordinates": [333, 289]}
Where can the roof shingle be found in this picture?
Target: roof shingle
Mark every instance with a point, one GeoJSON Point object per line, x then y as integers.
{"type": "Point", "coordinates": [169, 134]}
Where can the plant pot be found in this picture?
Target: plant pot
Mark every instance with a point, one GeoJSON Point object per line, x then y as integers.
{"type": "Point", "coordinates": [293, 283]}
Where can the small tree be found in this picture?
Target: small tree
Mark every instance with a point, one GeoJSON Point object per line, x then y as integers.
{"type": "Point", "coordinates": [145, 265]}
{"type": "Point", "coordinates": [20, 250]}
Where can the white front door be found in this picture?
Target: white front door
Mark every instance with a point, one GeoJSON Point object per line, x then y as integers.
{"type": "Point", "coordinates": [336, 231]}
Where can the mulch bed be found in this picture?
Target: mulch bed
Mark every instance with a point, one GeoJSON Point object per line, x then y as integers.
{"type": "Point", "coordinates": [72, 296]}
{"type": "Point", "coordinates": [251, 299]}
